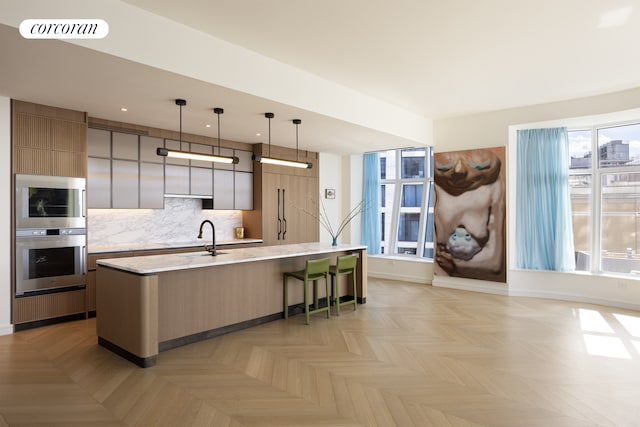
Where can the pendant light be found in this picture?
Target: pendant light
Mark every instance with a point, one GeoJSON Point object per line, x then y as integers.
{"type": "Point", "coordinates": [234, 159]}
{"type": "Point", "coordinates": [179, 154]}
{"type": "Point", "coordinates": [281, 162]}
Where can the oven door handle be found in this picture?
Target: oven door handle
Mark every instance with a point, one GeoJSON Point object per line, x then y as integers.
{"type": "Point", "coordinates": [83, 203]}
{"type": "Point", "coordinates": [83, 259]}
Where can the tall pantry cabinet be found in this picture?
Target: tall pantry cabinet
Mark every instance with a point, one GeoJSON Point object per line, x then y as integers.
{"type": "Point", "coordinates": [48, 141]}
{"type": "Point", "coordinates": [285, 199]}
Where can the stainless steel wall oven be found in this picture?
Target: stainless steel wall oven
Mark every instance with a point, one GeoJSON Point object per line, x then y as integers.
{"type": "Point", "coordinates": [50, 235]}
{"type": "Point", "coordinates": [50, 202]}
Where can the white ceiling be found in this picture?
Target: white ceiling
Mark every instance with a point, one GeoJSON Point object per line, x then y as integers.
{"type": "Point", "coordinates": [434, 59]}
{"type": "Point", "coordinates": [439, 58]}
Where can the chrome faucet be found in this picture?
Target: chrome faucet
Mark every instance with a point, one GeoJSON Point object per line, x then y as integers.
{"type": "Point", "coordinates": [211, 250]}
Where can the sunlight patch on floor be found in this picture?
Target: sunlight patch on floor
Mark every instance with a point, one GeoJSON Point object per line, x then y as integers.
{"type": "Point", "coordinates": [598, 345]}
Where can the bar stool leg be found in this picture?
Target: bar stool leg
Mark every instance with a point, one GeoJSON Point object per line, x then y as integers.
{"type": "Point", "coordinates": [355, 290]}
{"type": "Point", "coordinates": [285, 302]}
{"type": "Point", "coordinates": [306, 301]}
{"type": "Point", "coordinates": [336, 297]}
{"type": "Point", "coordinates": [326, 285]}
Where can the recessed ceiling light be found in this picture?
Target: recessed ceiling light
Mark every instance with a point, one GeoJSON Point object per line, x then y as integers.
{"type": "Point", "coordinates": [258, 134]}
{"type": "Point", "coordinates": [123, 109]}
{"type": "Point", "coordinates": [615, 17]}
{"type": "Point", "coordinates": [207, 125]}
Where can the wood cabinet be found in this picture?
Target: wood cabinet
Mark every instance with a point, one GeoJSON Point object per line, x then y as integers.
{"type": "Point", "coordinates": [48, 140]}
{"type": "Point", "coordinates": [90, 302]}
{"type": "Point", "coordinates": [288, 208]}
{"type": "Point", "coordinates": [285, 200]}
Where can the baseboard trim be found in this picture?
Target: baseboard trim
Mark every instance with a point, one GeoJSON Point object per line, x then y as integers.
{"type": "Point", "coordinates": [201, 336]}
{"type": "Point", "coordinates": [574, 298]}
{"type": "Point", "coordinates": [143, 362]}
{"type": "Point", "coordinates": [399, 277]}
{"type": "Point", "coordinates": [6, 329]}
{"type": "Point", "coordinates": [471, 285]}
{"type": "Point", "coordinates": [45, 322]}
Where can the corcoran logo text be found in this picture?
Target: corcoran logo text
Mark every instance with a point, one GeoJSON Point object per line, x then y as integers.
{"type": "Point", "coordinates": [64, 28]}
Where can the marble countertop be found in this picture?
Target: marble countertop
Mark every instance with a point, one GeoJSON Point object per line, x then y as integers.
{"type": "Point", "coordinates": [153, 264]}
{"type": "Point", "coordinates": [131, 247]}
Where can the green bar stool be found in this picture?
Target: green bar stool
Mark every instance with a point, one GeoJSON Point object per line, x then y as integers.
{"type": "Point", "coordinates": [315, 270]}
{"type": "Point", "coordinates": [346, 264]}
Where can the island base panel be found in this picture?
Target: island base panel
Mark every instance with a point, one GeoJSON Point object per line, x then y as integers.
{"type": "Point", "coordinates": [127, 311]}
{"type": "Point", "coordinates": [204, 299]}
{"type": "Point", "coordinates": [139, 315]}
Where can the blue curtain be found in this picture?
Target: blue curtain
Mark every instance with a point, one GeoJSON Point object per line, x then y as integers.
{"type": "Point", "coordinates": [371, 235]}
{"type": "Point", "coordinates": [544, 232]}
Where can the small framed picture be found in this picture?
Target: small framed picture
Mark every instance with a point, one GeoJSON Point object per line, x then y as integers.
{"type": "Point", "coordinates": [329, 193]}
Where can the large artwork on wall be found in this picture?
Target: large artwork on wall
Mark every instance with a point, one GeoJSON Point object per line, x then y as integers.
{"type": "Point", "coordinates": [469, 214]}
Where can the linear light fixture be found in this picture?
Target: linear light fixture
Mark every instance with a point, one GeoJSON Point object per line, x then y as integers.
{"type": "Point", "coordinates": [161, 151]}
{"type": "Point", "coordinates": [195, 156]}
{"type": "Point", "coordinates": [281, 162]}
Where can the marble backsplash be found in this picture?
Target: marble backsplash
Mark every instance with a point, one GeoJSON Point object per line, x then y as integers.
{"type": "Point", "coordinates": [177, 223]}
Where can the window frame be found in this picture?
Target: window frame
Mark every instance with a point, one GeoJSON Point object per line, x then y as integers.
{"type": "Point", "coordinates": [393, 208]}
{"type": "Point", "coordinates": [596, 171]}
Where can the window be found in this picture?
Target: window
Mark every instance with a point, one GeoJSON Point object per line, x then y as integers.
{"type": "Point", "coordinates": [411, 195]}
{"type": "Point", "coordinates": [605, 197]}
{"type": "Point", "coordinates": [407, 209]}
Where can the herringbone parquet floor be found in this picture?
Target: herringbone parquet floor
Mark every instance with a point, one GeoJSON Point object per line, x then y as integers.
{"type": "Point", "coordinates": [414, 355]}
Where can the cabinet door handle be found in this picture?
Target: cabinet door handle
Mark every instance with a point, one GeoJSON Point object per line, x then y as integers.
{"type": "Point", "coordinates": [284, 218]}
{"type": "Point", "coordinates": [279, 220]}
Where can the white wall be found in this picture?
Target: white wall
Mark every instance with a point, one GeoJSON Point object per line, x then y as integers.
{"type": "Point", "coordinates": [498, 129]}
{"type": "Point", "coordinates": [5, 216]}
{"type": "Point", "coordinates": [352, 168]}
{"type": "Point", "coordinates": [344, 174]}
{"type": "Point", "coordinates": [396, 268]}
{"type": "Point", "coordinates": [492, 129]}
{"type": "Point", "coordinates": [330, 176]}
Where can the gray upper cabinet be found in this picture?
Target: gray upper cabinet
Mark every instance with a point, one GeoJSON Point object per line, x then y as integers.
{"type": "Point", "coordinates": [171, 144]}
{"type": "Point", "coordinates": [99, 143]}
{"type": "Point", "coordinates": [151, 185]}
{"type": "Point", "coordinates": [99, 183]}
{"type": "Point", "coordinates": [228, 152]}
{"type": "Point", "coordinates": [202, 182]}
{"type": "Point", "coordinates": [124, 189]}
{"type": "Point", "coordinates": [126, 172]}
{"type": "Point", "coordinates": [223, 189]}
{"type": "Point", "coordinates": [176, 180]}
{"type": "Point", "coordinates": [151, 173]}
{"type": "Point", "coordinates": [243, 191]}
{"type": "Point", "coordinates": [124, 146]}
{"type": "Point", "coordinates": [246, 161]}
{"type": "Point", "coordinates": [99, 168]}
{"type": "Point", "coordinates": [148, 149]}
{"type": "Point", "coordinates": [201, 149]}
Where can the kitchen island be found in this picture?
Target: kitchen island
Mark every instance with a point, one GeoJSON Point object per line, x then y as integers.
{"type": "Point", "coordinates": [148, 304]}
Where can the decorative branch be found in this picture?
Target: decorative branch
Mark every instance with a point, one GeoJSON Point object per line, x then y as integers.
{"type": "Point", "coordinates": [323, 217]}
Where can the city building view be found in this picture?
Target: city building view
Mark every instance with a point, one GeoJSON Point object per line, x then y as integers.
{"type": "Point", "coordinates": [406, 208]}
{"type": "Point", "coordinates": [605, 198]}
